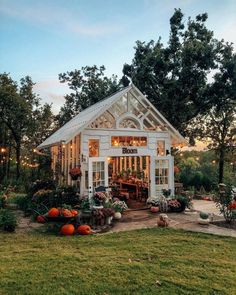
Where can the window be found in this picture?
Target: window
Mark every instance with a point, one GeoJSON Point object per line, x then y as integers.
{"type": "Point", "coordinates": [129, 123]}
{"type": "Point", "coordinates": [93, 148]}
{"type": "Point", "coordinates": [98, 174]}
{"type": "Point", "coordinates": [161, 172]}
{"type": "Point", "coordinates": [120, 141]}
{"type": "Point", "coordinates": [161, 148]}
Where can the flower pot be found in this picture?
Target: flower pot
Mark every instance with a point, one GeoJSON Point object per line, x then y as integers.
{"type": "Point", "coordinates": [117, 215]}
{"type": "Point", "coordinates": [203, 221]}
{"type": "Point", "coordinates": [109, 220]}
{"type": "Point", "coordinates": [74, 177]}
{"type": "Point", "coordinates": [155, 209]}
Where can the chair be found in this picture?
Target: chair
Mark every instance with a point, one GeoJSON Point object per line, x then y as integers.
{"type": "Point", "coordinates": [100, 188]}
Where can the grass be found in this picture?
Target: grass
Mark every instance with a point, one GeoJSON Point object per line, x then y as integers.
{"type": "Point", "coordinates": [151, 261]}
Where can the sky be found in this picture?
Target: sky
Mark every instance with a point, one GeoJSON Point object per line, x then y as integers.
{"type": "Point", "coordinates": [44, 38]}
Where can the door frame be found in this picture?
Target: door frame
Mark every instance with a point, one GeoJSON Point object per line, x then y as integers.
{"type": "Point", "coordinates": [90, 172]}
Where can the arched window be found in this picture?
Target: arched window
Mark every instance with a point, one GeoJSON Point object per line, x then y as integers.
{"type": "Point", "coordinates": [129, 123]}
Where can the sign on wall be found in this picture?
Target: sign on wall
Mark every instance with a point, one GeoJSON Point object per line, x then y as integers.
{"type": "Point", "coordinates": [129, 151]}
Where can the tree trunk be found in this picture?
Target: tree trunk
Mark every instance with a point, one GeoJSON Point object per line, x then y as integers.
{"type": "Point", "coordinates": [221, 164]}
{"type": "Point", "coordinates": [18, 147]}
{"type": "Point", "coordinates": [9, 162]}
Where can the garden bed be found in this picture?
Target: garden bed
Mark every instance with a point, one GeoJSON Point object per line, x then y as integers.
{"type": "Point", "coordinates": [223, 223]}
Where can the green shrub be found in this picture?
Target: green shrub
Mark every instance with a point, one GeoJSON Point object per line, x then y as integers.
{"type": "Point", "coordinates": [22, 202]}
{"type": "Point", "coordinates": [67, 195]}
{"type": "Point", "coordinates": [3, 202]}
{"type": "Point", "coordinates": [8, 221]}
{"type": "Point", "coordinates": [41, 185]}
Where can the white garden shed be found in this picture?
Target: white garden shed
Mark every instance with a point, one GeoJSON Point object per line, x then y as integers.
{"type": "Point", "coordinates": [122, 139]}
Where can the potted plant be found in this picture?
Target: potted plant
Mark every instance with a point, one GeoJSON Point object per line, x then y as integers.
{"type": "Point", "coordinates": [155, 206]}
{"type": "Point", "coordinates": [75, 173]}
{"type": "Point", "coordinates": [119, 207]}
{"type": "Point", "coordinates": [108, 214]}
{"type": "Point", "coordinates": [99, 198]}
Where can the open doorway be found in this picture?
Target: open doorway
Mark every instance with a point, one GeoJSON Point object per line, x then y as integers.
{"type": "Point", "coordinates": [129, 176]}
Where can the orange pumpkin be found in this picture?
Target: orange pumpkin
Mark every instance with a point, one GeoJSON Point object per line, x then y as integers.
{"type": "Point", "coordinates": [74, 212]}
{"type": "Point", "coordinates": [84, 230]}
{"type": "Point", "coordinates": [54, 212]}
{"type": "Point", "coordinates": [67, 213]}
{"type": "Point", "coordinates": [67, 229]}
{"type": "Point", "coordinates": [41, 219]}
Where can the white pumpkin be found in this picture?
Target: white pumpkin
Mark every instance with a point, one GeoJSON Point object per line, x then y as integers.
{"type": "Point", "coordinates": [117, 215]}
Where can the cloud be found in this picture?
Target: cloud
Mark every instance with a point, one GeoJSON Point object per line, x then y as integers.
{"type": "Point", "coordinates": [52, 92]}
{"type": "Point", "coordinates": [56, 19]}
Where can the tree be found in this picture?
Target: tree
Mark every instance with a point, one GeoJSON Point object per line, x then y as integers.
{"type": "Point", "coordinates": [174, 77]}
{"type": "Point", "coordinates": [88, 85]}
{"type": "Point", "coordinates": [220, 122]}
{"type": "Point", "coordinates": [22, 115]}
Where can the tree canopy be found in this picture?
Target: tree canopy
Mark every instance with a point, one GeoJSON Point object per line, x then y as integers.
{"type": "Point", "coordinates": [23, 119]}
{"type": "Point", "coordinates": [88, 85]}
{"type": "Point", "coordinates": [174, 76]}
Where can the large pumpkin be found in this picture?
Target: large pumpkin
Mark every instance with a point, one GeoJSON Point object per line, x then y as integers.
{"type": "Point", "coordinates": [67, 229]}
{"type": "Point", "coordinates": [54, 212]}
{"type": "Point", "coordinates": [41, 219]}
{"type": "Point", "coordinates": [84, 230]}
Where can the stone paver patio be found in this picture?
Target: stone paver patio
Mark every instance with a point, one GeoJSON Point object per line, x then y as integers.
{"type": "Point", "coordinates": [188, 220]}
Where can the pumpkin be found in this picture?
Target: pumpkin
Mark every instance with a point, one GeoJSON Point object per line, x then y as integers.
{"type": "Point", "coordinates": [74, 212]}
{"type": "Point", "coordinates": [41, 219]}
{"type": "Point", "coordinates": [117, 215]}
{"type": "Point", "coordinates": [67, 213]}
{"type": "Point", "coordinates": [53, 212]}
{"type": "Point", "coordinates": [233, 204]}
{"type": "Point", "coordinates": [84, 230]}
{"type": "Point", "coordinates": [204, 215]}
{"type": "Point", "coordinates": [67, 229]}
{"type": "Point", "coordinates": [154, 209]}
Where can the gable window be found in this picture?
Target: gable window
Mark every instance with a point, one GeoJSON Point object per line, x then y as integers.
{"type": "Point", "coordinates": [120, 141]}
{"type": "Point", "coordinates": [93, 148]}
{"type": "Point", "coordinates": [129, 123]}
{"type": "Point", "coordinates": [160, 148]}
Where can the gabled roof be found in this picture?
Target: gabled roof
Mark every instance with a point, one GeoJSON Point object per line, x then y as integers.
{"type": "Point", "coordinates": [80, 121]}
{"type": "Point", "coordinates": [87, 116]}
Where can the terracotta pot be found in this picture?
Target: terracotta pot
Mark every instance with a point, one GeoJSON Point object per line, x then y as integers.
{"type": "Point", "coordinates": [155, 209]}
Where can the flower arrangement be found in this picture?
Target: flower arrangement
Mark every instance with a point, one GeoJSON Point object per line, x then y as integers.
{"type": "Point", "coordinates": [99, 198]}
{"type": "Point", "coordinates": [75, 173]}
{"type": "Point", "coordinates": [174, 203]}
{"type": "Point", "coordinates": [166, 192]}
{"type": "Point", "coordinates": [119, 206]}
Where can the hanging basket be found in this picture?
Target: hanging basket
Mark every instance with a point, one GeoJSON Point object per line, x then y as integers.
{"type": "Point", "coordinates": [75, 173]}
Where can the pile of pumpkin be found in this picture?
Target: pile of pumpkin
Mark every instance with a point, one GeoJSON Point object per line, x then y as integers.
{"type": "Point", "coordinates": [67, 229]}
{"type": "Point", "coordinates": [57, 212]}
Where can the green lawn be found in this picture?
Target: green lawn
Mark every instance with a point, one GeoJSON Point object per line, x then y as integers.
{"type": "Point", "coordinates": [120, 263]}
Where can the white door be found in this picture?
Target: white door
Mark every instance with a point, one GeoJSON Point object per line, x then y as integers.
{"type": "Point", "coordinates": [98, 173]}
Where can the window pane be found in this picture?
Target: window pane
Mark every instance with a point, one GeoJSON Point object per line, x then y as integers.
{"type": "Point", "coordinates": [93, 148]}
{"type": "Point", "coordinates": [128, 141]}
